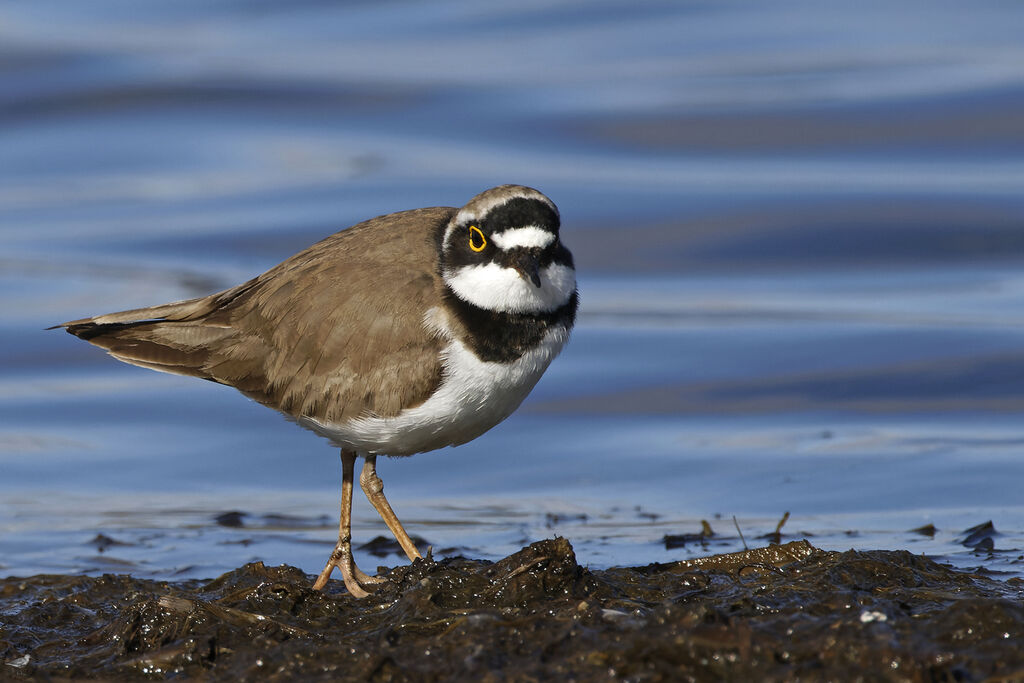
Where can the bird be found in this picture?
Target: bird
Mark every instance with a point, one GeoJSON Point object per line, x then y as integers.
{"type": "Point", "coordinates": [405, 333]}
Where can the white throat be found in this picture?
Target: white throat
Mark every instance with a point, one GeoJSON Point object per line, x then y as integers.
{"type": "Point", "coordinates": [496, 288]}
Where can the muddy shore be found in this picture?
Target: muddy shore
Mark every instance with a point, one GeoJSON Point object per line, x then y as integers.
{"type": "Point", "coordinates": [786, 612]}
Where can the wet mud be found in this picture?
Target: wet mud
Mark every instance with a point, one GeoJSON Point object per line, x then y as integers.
{"type": "Point", "coordinates": [781, 612]}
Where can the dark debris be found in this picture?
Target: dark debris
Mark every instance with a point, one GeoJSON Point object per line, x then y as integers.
{"type": "Point", "coordinates": [788, 612]}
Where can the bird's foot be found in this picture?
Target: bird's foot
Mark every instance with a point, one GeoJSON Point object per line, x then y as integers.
{"type": "Point", "coordinates": [355, 579]}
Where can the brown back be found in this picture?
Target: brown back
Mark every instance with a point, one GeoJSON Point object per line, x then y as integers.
{"type": "Point", "coordinates": [332, 333]}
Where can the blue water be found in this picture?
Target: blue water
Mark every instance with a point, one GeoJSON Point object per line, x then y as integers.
{"type": "Point", "coordinates": [799, 229]}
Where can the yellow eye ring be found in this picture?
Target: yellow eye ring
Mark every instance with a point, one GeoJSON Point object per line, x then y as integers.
{"type": "Point", "coordinates": [474, 232]}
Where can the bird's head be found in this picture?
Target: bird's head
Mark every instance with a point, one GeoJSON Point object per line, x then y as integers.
{"type": "Point", "coordinates": [502, 252]}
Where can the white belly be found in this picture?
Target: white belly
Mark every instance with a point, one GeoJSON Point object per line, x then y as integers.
{"type": "Point", "coordinates": [473, 396]}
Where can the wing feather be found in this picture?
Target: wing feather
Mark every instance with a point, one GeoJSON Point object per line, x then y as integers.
{"type": "Point", "coordinates": [332, 333]}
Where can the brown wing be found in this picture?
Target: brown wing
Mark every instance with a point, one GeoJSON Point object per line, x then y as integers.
{"type": "Point", "coordinates": [334, 332]}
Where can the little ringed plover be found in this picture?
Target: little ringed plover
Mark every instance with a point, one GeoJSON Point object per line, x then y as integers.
{"type": "Point", "coordinates": [402, 334]}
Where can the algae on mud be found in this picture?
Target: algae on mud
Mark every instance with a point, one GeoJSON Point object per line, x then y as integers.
{"type": "Point", "coordinates": [776, 613]}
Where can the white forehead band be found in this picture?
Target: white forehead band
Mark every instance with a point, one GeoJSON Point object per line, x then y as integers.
{"type": "Point", "coordinates": [527, 236]}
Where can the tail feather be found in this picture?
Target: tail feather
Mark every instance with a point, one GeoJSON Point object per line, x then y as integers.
{"type": "Point", "coordinates": [170, 338]}
{"type": "Point", "coordinates": [190, 309]}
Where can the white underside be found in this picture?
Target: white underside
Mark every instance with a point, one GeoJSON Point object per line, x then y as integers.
{"type": "Point", "coordinates": [474, 395]}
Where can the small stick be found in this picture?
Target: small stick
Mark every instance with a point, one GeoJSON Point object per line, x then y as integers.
{"type": "Point", "coordinates": [740, 532]}
{"type": "Point", "coordinates": [778, 529]}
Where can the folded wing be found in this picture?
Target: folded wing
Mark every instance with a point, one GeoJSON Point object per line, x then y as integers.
{"type": "Point", "coordinates": [310, 335]}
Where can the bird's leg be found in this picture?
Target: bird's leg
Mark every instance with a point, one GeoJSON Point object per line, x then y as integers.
{"type": "Point", "coordinates": [373, 487]}
{"type": "Point", "coordinates": [341, 556]}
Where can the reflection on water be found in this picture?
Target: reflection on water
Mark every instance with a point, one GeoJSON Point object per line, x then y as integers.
{"type": "Point", "coordinates": [799, 231]}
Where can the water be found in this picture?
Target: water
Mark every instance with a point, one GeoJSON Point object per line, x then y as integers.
{"type": "Point", "coordinates": [799, 230]}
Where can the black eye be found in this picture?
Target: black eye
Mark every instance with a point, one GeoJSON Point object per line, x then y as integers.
{"type": "Point", "coordinates": [477, 241]}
